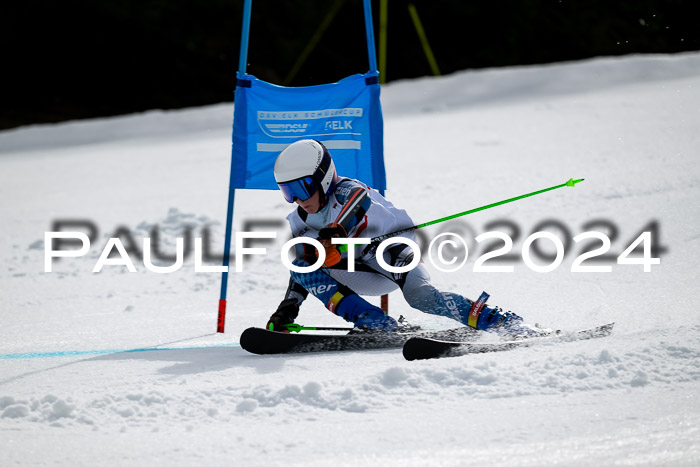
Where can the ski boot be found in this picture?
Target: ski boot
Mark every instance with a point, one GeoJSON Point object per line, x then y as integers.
{"type": "Point", "coordinates": [365, 315]}
{"type": "Point", "coordinates": [505, 323]}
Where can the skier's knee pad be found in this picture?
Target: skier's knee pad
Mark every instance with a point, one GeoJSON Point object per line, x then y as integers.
{"type": "Point", "coordinates": [321, 285]}
{"type": "Point", "coordinates": [341, 300]}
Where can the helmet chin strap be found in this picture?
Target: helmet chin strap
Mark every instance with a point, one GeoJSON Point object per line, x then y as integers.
{"type": "Point", "coordinates": [322, 199]}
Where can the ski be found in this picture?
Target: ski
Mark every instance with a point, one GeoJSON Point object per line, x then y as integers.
{"type": "Point", "coordinates": [264, 342]}
{"type": "Point", "coordinates": [424, 347]}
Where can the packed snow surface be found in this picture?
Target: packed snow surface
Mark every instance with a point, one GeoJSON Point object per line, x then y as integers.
{"type": "Point", "coordinates": [71, 392]}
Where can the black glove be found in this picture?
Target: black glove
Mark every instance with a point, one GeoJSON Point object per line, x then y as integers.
{"type": "Point", "coordinates": [286, 313]}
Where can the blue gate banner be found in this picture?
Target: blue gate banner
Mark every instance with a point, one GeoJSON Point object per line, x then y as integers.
{"type": "Point", "coordinates": [345, 116]}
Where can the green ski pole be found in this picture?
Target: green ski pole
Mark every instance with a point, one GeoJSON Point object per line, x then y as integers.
{"type": "Point", "coordinates": [375, 240]}
{"type": "Point", "coordinates": [293, 327]}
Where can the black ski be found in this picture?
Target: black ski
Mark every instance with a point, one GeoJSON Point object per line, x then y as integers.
{"type": "Point", "coordinates": [423, 347]}
{"type": "Point", "coordinates": [262, 341]}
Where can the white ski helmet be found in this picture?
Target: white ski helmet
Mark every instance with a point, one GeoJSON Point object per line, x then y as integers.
{"type": "Point", "coordinates": [302, 168]}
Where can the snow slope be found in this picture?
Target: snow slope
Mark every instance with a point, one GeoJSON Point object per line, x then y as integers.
{"type": "Point", "coordinates": [72, 394]}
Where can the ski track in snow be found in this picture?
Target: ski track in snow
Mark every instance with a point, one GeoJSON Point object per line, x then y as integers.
{"type": "Point", "coordinates": [628, 125]}
{"type": "Point", "coordinates": [527, 372]}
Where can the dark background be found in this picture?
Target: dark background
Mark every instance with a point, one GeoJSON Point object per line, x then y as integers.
{"type": "Point", "coordinates": [79, 59]}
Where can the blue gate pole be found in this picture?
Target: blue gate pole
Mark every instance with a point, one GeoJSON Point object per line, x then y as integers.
{"type": "Point", "coordinates": [245, 32]}
{"type": "Point", "coordinates": [369, 28]}
{"type": "Point", "coordinates": [221, 321]}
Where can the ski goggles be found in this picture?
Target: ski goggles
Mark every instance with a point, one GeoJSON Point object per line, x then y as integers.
{"type": "Point", "coordinates": [302, 189]}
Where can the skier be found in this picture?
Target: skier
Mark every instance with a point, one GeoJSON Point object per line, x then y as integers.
{"type": "Point", "coordinates": [330, 206]}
